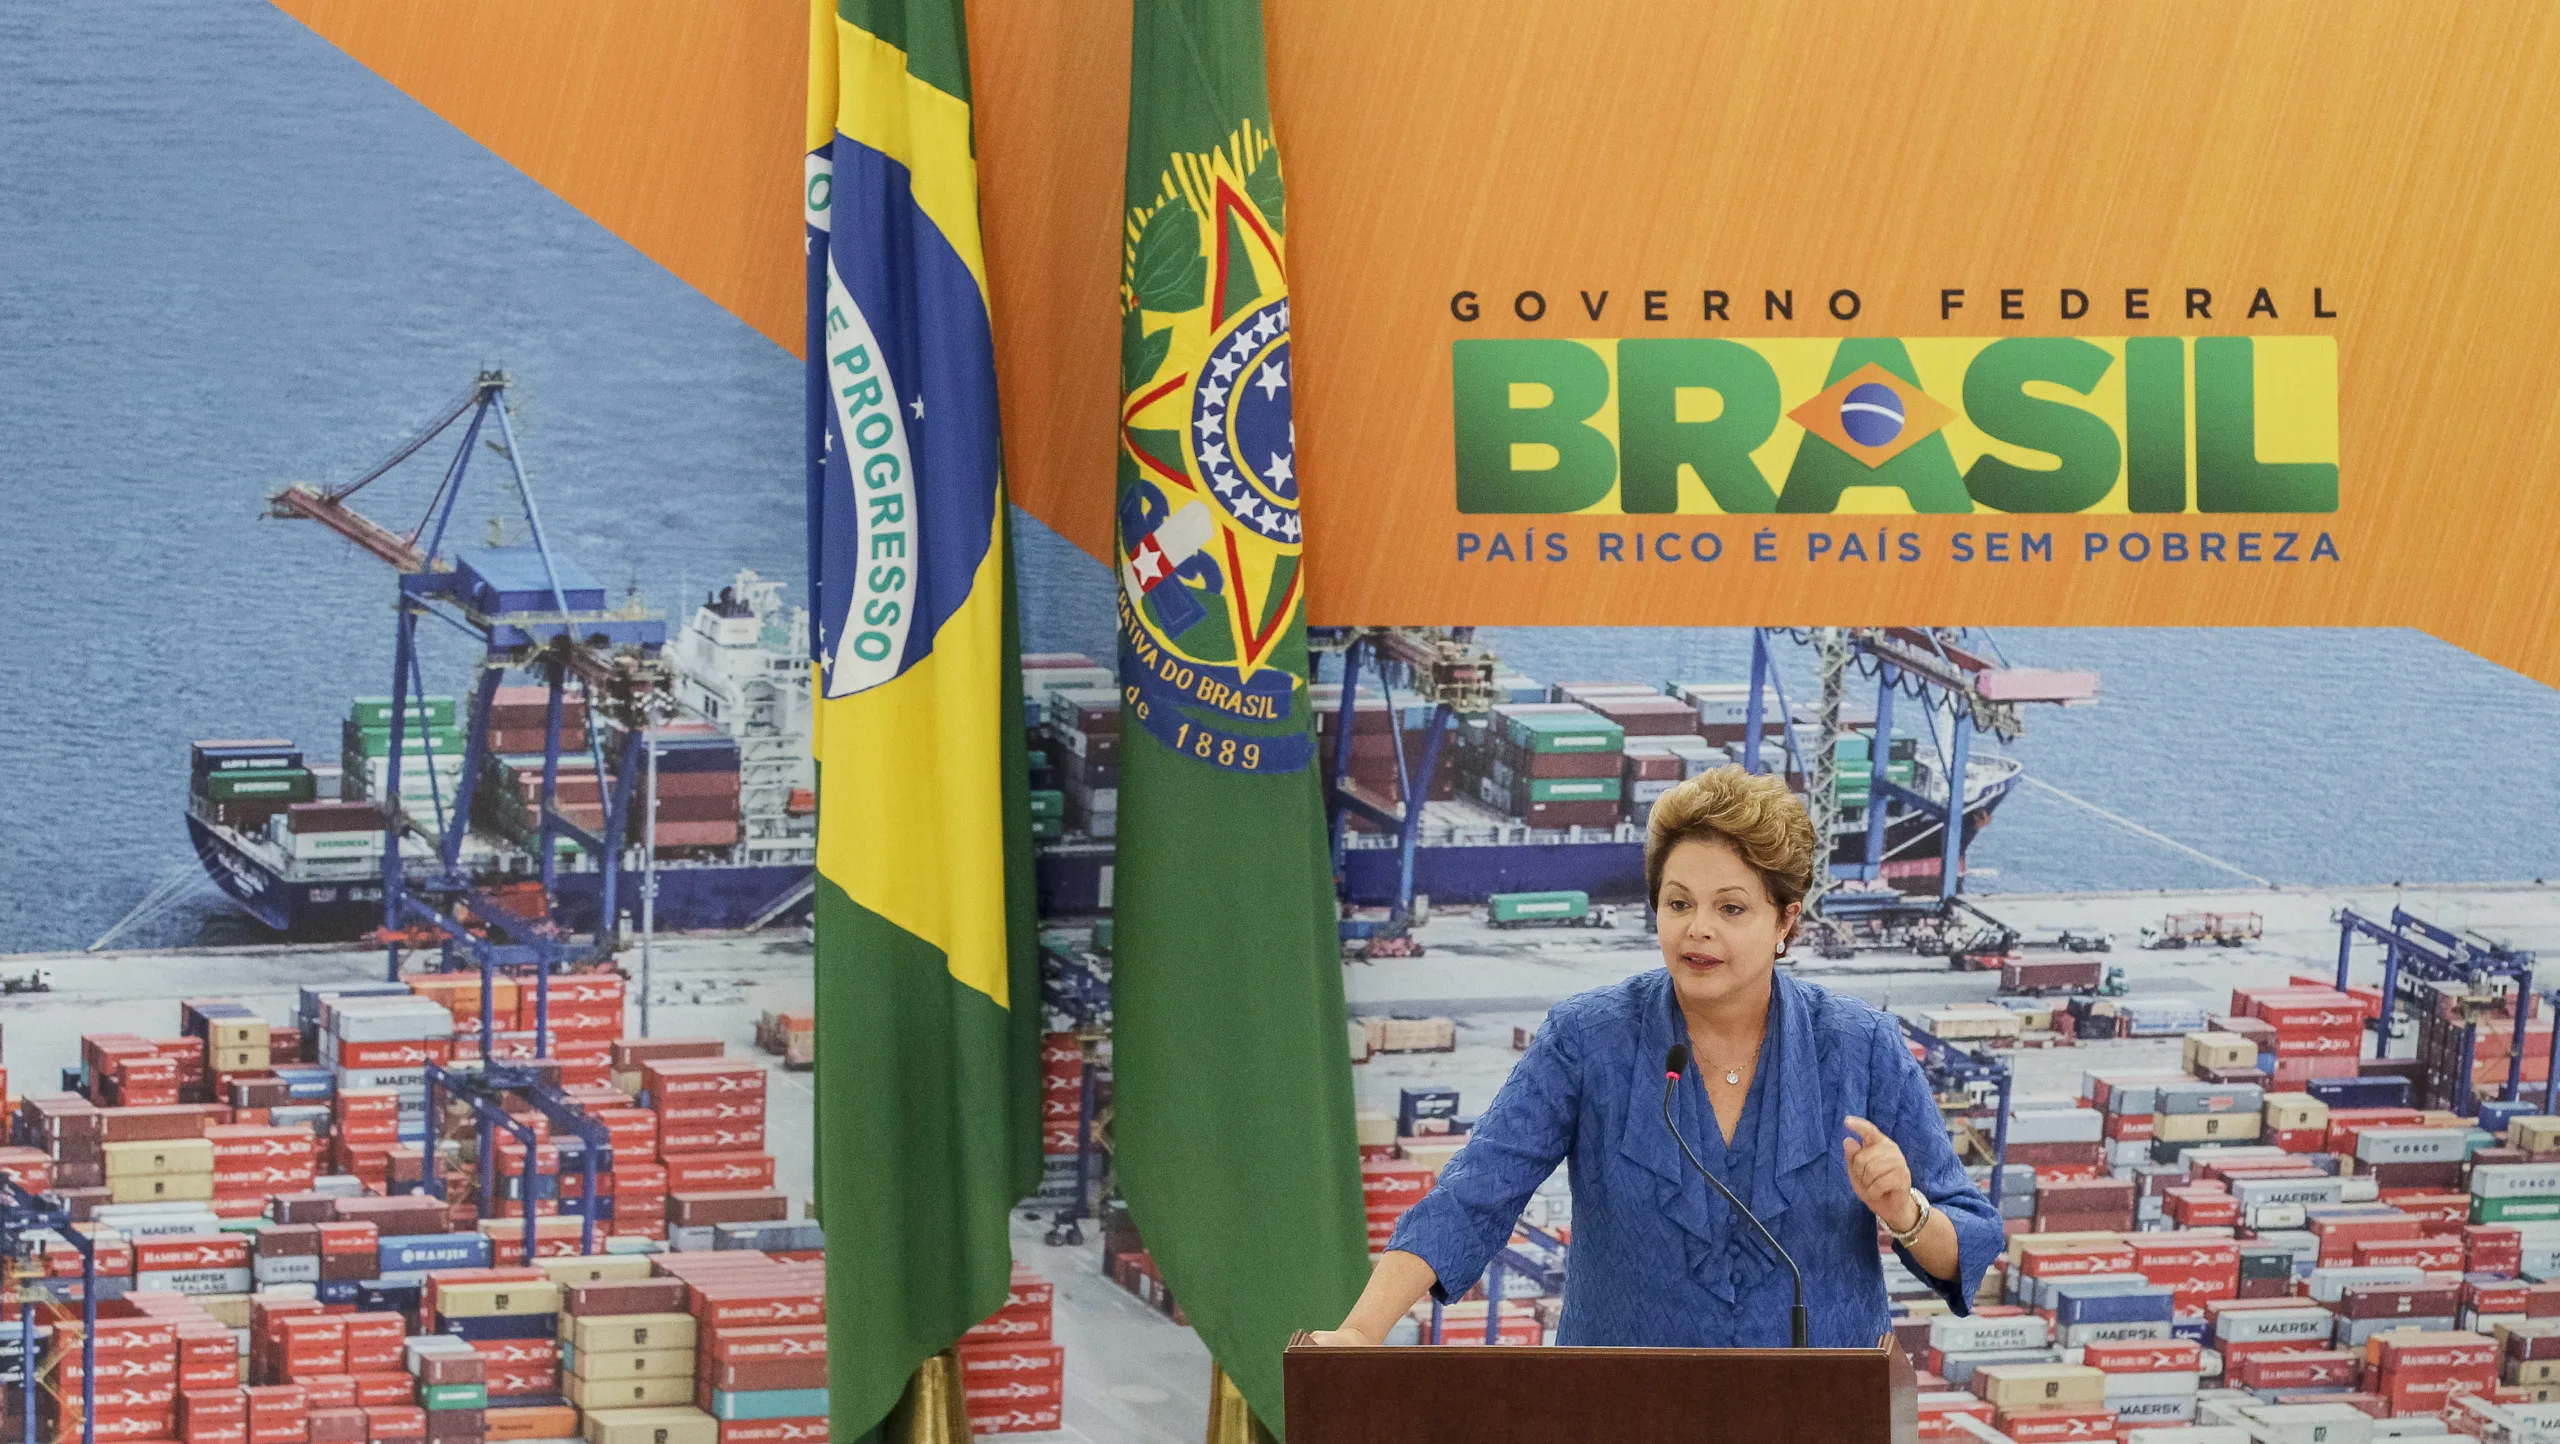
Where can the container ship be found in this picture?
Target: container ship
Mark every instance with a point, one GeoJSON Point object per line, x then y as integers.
{"type": "Point", "coordinates": [1546, 790]}
{"type": "Point", "coordinates": [298, 843]}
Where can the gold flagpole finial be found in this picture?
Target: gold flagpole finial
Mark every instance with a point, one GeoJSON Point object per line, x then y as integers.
{"type": "Point", "coordinates": [1231, 1420]}
{"type": "Point", "coordinates": [933, 1411]}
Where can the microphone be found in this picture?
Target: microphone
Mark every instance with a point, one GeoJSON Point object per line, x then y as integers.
{"type": "Point", "coordinates": [1675, 1063]}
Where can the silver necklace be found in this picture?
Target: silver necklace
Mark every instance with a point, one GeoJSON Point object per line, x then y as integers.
{"type": "Point", "coordinates": [1731, 1075]}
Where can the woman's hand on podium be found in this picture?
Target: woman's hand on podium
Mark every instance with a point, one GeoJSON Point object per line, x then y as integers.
{"type": "Point", "coordinates": [1344, 1337]}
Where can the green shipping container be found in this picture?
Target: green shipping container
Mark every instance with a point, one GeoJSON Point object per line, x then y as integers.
{"type": "Point", "coordinates": [263, 784]}
{"type": "Point", "coordinates": [1046, 803]}
{"type": "Point", "coordinates": [1048, 829]}
{"type": "Point", "coordinates": [453, 1396]}
{"type": "Point", "coordinates": [1573, 789]}
{"type": "Point", "coordinates": [1587, 733]}
{"type": "Point", "coordinates": [1515, 907]}
{"type": "Point", "coordinates": [2514, 1210]}
{"type": "Point", "coordinates": [375, 712]}
{"type": "Point", "coordinates": [444, 744]}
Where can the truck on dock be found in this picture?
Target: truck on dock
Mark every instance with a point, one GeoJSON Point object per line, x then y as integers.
{"type": "Point", "coordinates": [1566, 908]}
{"type": "Point", "coordinates": [2197, 930]}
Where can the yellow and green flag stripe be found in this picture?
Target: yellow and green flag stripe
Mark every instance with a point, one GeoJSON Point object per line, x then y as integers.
{"type": "Point", "coordinates": [927, 982]}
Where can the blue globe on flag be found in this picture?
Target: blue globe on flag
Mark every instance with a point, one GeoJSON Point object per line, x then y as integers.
{"type": "Point", "coordinates": [1872, 414]}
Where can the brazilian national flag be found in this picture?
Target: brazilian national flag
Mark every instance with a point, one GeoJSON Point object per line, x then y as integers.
{"type": "Point", "coordinates": [927, 982]}
{"type": "Point", "coordinates": [1231, 1075]}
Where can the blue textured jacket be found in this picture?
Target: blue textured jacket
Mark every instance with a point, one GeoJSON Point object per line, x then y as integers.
{"type": "Point", "coordinates": [1658, 1259]}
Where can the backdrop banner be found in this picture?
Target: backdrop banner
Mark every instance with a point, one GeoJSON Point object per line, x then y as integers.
{"type": "Point", "coordinates": [2193, 314]}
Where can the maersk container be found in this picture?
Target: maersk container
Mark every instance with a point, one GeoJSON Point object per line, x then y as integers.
{"type": "Point", "coordinates": [1526, 907]}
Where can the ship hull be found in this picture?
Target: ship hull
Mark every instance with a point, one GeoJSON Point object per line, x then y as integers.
{"type": "Point", "coordinates": [340, 909]}
{"type": "Point", "coordinates": [1075, 878]}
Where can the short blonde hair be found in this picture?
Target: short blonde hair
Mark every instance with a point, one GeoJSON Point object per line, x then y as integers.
{"type": "Point", "coordinates": [1753, 813]}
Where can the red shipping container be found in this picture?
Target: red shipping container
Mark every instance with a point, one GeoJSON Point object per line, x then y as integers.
{"type": "Point", "coordinates": [735, 1305]}
{"type": "Point", "coordinates": [2344, 1122]}
{"type": "Point", "coordinates": [2143, 1356]}
{"type": "Point", "coordinates": [790, 1341]}
{"type": "Point", "coordinates": [2295, 1368]}
{"type": "Point", "coordinates": [191, 1251]}
{"type": "Point", "coordinates": [775, 1431]}
{"type": "Point", "coordinates": [1007, 1376]}
{"type": "Point", "coordinates": [1010, 1325]}
{"type": "Point", "coordinates": [396, 1053]}
{"type": "Point", "coordinates": [374, 1387]}
{"type": "Point", "coordinates": [1399, 1182]}
{"type": "Point", "coordinates": [329, 1391]}
{"type": "Point", "coordinates": [2339, 1236]}
{"type": "Point", "coordinates": [2492, 1248]}
{"type": "Point", "coordinates": [2438, 1214]}
{"type": "Point", "coordinates": [310, 1344]}
{"type": "Point", "coordinates": [391, 1423]}
{"type": "Point", "coordinates": [278, 1414]}
{"type": "Point", "coordinates": [120, 1425]}
{"type": "Point", "coordinates": [711, 1108]}
{"type": "Point", "coordinates": [675, 1079]}
{"type": "Point", "coordinates": [676, 1139]}
{"type": "Point", "coordinates": [1032, 1419]}
{"type": "Point", "coordinates": [2436, 1255]}
{"type": "Point", "coordinates": [717, 1172]}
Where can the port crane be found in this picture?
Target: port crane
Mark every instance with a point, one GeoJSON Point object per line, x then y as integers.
{"type": "Point", "coordinates": [1443, 668]}
{"type": "Point", "coordinates": [1945, 670]}
{"type": "Point", "coordinates": [516, 604]}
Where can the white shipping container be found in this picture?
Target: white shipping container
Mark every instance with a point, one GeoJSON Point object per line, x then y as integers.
{"type": "Point", "coordinates": [2256, 1326]}
{"type": "Point", "coordinates": [2310, 1424]}
{"type": "Point", "coordinates": [194, 1281]}
{"type": "Point", "coordinates": [389, 1020]}
{"type": "Point", "coordinates": [1975, 1334]}
{"type": "Point", "coordinates": [2412, 1145]}
{"type": "Point", "coordinates": [2057, 1125]}
{"type": "Point", "coordinates": [298, 1269]}
{"type": "Point", "coordinates": [2329, 1285]}
{"type": "Point", "coordinates": [2251, 1192]}
{"type": "Point", "coordinates": [2515, 1180]}
{"type": "Point", "coordinates": [2168, 1384]}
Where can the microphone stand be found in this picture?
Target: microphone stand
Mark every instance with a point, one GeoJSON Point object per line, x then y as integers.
{"type": "Point", "coordinates": [1796, 1326]}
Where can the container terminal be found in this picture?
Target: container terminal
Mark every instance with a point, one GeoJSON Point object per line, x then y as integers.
{"type": "Point", "coordinates": [528, 921]}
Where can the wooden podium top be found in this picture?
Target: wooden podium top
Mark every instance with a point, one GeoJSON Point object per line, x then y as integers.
{"type": "Point", "coordinates": [1476, 1395]}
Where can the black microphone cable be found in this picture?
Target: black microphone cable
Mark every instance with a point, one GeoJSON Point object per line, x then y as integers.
{"type": "Point", "coordinates": [1675, 1063]}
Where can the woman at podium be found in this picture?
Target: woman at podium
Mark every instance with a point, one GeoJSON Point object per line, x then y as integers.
{"type": "Point", "coordinates": [1805, 1103]}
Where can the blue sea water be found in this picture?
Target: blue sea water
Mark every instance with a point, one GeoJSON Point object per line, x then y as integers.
{"type": "Point", "coordinates": [230, 257]}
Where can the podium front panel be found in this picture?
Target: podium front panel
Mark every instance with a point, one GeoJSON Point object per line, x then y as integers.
{"type": "Point", "coordinates": [1475, 1395]}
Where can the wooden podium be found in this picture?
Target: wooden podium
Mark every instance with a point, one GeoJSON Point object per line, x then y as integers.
{"type": "Point", "coordinates": [1599, 1396]}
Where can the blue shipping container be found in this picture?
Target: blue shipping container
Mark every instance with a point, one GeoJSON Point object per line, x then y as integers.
{"type": "Point", "coordinates": [745, 1404]}
{"type": "Point", "coordinates": [2150, 1302]}
{"type": "Point", "coordinates": [414, 1253]}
